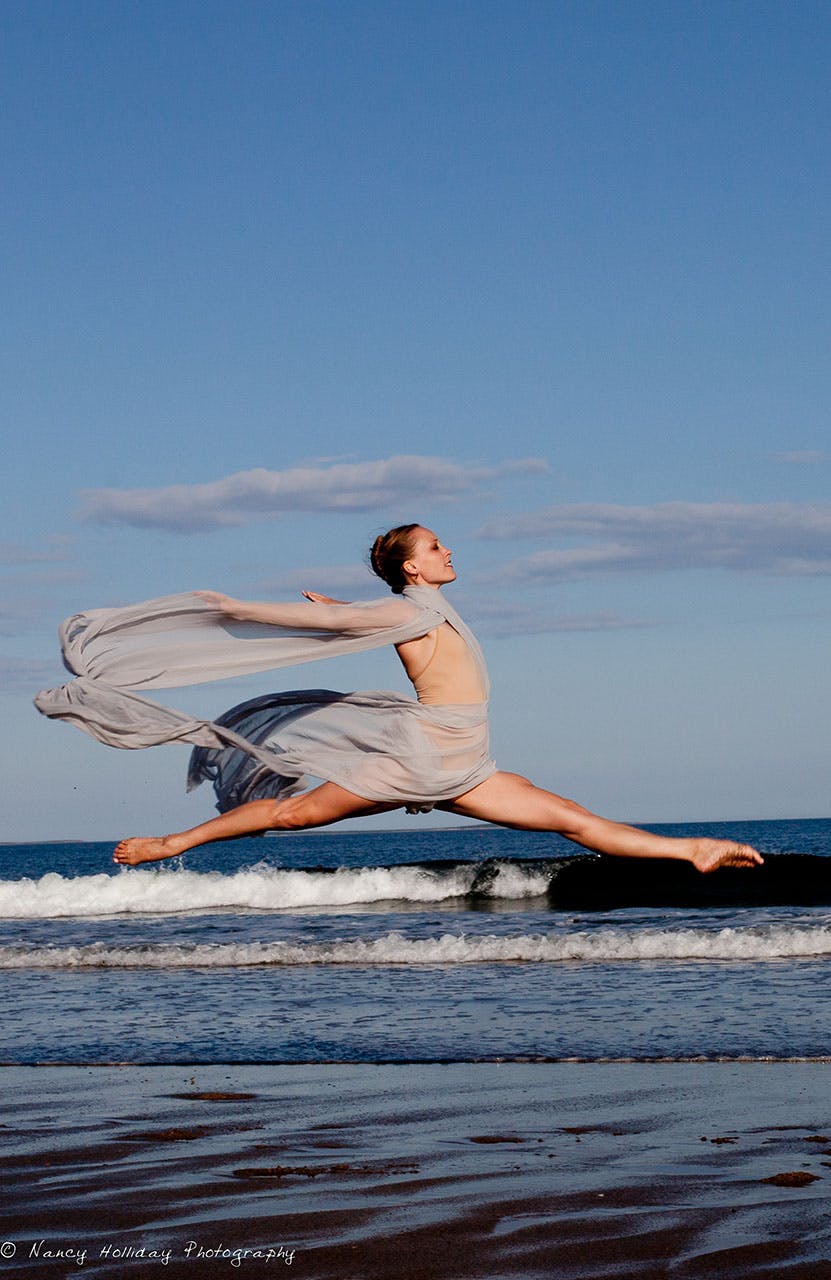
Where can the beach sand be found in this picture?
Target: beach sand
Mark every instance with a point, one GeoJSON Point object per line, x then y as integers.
{"type": "Point", "coordinates": [422, 1172]}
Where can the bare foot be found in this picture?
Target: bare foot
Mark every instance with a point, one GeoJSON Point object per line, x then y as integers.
{"type": "Point", "coordinates": [144, 849]}
{"type": "Point", "coordinates": [709, 855]}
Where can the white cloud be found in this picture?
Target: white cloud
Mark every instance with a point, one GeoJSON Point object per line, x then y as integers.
{"type": "Point", "coordinates": [28, 597]}
{"type": "Point", "coordinates": [20, 614]}
{"type": "Point", "coordinates": [27, 675]}
{"type": "Point", "coordinates": [250, 496]}
{"type": "Point", "coordinates": [504, 619]}
{"type": "Point", "coordinates": [776, 538]}
{"type": "Point", "coordinates": [55, 550]}
{"type": "Point", "coordinates": [804, 457]}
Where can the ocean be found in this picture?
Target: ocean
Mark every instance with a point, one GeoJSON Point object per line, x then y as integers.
{"type": "Point", "coordinates": [472, 944]}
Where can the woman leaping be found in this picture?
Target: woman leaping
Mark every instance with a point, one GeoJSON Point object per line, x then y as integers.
{"type": "Point", "coordinates": [377, 751]}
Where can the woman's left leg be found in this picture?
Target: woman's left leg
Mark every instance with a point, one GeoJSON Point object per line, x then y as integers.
{"type": "Point", "coordinates": [513, 801]}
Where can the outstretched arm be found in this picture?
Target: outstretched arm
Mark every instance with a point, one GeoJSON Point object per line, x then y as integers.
{"type": "Point", "coordinates": [315, 613]}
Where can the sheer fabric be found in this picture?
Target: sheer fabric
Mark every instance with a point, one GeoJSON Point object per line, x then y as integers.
{"type": "Point", "coordinates": [383, 746]}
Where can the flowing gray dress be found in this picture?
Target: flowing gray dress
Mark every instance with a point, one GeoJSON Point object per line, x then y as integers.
{"type": "Point", "coordinates": [383, 746]}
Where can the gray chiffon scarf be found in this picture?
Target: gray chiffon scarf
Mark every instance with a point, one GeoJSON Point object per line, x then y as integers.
{"type": "Point", "coordinates": [383, 745]}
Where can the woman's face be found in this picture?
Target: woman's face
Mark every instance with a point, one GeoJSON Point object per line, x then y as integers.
{"type": "Point", "coordinates": [429, 563]}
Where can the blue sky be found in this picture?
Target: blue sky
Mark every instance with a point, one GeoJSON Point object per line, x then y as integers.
{"type": "Point", "coordinates": [549, 278]}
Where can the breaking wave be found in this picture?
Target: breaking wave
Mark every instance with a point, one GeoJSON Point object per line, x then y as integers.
{"type": "Point", "coordinates": [585, 882]}
{"type": "Point", "coordinates": [265, 888]}
{"type": "Point", "coordinates": [758, 943]}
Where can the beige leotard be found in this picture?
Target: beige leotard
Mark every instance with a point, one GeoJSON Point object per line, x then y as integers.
{"type": "Point", "coordinates": [450, 675]}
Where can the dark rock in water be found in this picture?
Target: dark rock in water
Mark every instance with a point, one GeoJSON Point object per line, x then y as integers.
{"type": "Point", "coordinates": [602, 883]}
{"type": "Point", "coordinates": [797, 1179]}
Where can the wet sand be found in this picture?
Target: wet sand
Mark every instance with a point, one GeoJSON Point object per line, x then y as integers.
{"type": "Point", "coordinates": [423, 1172]}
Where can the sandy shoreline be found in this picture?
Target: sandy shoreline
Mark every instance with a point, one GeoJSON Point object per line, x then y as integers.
{"type": "Point", "coordinates": [424, 1172]}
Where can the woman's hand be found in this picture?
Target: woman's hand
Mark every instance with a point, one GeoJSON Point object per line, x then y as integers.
{"type": "Point", "coordinates": [317, 598]}
{"type": "Point", "coordinates": [276, 615]}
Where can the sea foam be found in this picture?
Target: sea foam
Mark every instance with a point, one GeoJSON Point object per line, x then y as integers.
{"type": "Point", "coordinates": [760, 943]}
{"type": "Point", "coordinates": [261, 888]}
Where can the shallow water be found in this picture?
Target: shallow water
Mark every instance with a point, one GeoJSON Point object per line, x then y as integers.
{"type": "Point", "coordinates": [466, 944]}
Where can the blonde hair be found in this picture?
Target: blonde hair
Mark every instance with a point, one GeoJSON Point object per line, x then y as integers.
{"type": "Point", "coordinates": [388, 553]}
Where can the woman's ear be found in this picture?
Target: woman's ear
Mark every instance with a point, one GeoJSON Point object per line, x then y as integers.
{"type": "Point", "coordinates": [409, 568]}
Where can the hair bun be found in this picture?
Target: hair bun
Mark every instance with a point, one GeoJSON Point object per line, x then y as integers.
{"type": "Point", "coordinates": [388, 553]}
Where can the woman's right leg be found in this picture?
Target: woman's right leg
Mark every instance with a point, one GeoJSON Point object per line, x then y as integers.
{"type": "Point", "coordinates": [317, 808]}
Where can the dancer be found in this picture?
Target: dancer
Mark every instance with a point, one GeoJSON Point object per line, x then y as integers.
{"type": "Point", "coordinates": [380, 751]}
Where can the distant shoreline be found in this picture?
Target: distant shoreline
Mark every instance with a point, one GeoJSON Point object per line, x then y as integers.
{"type": "Point", "coordinates": [342, 829]}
